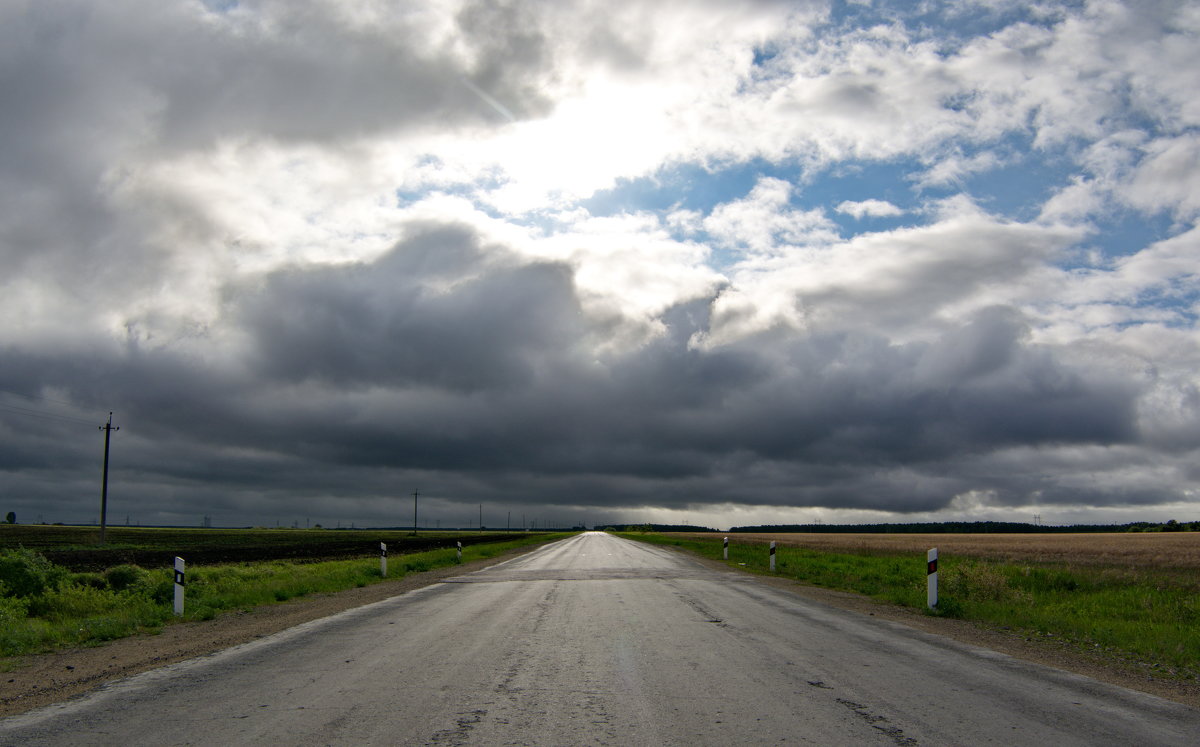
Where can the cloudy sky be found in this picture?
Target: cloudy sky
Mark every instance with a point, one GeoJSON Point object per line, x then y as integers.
{"type": "Point", "coordinates": [709, 262]}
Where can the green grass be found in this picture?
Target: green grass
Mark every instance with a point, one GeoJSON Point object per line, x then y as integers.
{"type": "Point", "coordinates": [1145, 617]}
{"type": "Point", "coordinates": [89, 608]}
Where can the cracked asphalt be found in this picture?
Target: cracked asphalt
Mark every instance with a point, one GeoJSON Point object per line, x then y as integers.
{"type": "Point", "coordinates": [599, 640]}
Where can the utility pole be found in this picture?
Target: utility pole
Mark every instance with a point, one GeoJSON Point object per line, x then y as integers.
{"type": "Point", "coordinates": [108, 429]}
{"type": "Point", "coordinates": [415, 493]}
{"type": "Point", "coordinates": [481, 518]}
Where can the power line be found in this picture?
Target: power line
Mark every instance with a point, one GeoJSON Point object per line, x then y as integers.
{"type": "Point", "coordinates": [13, 409]}
{"type": "Point", "coordinates": [38, 396]}
{"type": "Point", "coordinates": [18, 410]}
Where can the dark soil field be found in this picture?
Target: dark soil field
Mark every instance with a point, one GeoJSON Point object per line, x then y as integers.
{"type": "Point", "coordinates": [77, 548]}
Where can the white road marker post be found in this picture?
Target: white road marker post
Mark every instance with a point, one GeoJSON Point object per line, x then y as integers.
{"type": "Point", "coordinates": [726, 548]}
{"type": "Point", "coordinates": [179, 584]}
{"type": "Point", "coordinates": [383, 560]}
{"type": "Point", "coordinates": [931, 575]}
{"type": "Point", "coordinates": [459, 551]}
{"type": "Point", "coordinates": [772, 556]}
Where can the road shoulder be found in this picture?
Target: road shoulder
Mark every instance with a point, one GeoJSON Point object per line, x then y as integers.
{"type": "Point", "coordinates": [1046, 651]}
{"type": "Point", "coordinates": [33, 681]}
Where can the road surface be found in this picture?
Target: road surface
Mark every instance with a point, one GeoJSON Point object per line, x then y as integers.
{"type": "Point", "coordinates": [599, 640]}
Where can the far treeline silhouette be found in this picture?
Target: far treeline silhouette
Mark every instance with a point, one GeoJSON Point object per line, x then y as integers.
{"type": "Point", "coordinates": [972, 527]}
{"type": "Point", "coordinates": [653, 528]}
{"type": "Point", "coordinates": [942, 527]}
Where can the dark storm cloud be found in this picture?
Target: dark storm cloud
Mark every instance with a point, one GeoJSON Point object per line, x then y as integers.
{"type": "Point", "coordinates": [465, 365]}
{"type": "Point", "coordinates": [435, 312]}
{"type": "Point", "coordinates": [477, 366]}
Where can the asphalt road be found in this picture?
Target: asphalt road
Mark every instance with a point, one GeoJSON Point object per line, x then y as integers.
{"type": "Point", "coordinates": [598, 640]}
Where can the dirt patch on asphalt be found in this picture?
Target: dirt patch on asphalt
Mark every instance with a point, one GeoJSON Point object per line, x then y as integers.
{"type": "Point", "coordinates": [50, 678]}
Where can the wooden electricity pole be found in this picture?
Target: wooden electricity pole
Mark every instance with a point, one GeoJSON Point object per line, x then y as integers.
{"type": "Point", "coordinates": [108, 429]}
{"type": "Point", "coordinates": [415, 512]}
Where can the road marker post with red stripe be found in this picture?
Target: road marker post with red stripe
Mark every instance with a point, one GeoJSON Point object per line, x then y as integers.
{"type": "Point", "coordinates": [727, 548]}
{"type": "Point", "coordinates": [179, 584]}
{"type": "Point", "coordinates": [931, 576]}
{"type": "Point", "coordinates": [383, 559]}
{"type": "Point", "coordinates": [772, 556]}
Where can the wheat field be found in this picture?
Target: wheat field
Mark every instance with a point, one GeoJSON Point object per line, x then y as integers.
{"type": "Point", "coordinates": [1163, 550]}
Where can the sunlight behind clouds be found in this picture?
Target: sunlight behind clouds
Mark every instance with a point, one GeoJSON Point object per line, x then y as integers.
{"type": "Point", "coordinates": [847, 256]}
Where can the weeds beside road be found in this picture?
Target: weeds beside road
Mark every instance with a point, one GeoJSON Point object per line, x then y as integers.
{"type": "Point", "coordinates": [44, 607]}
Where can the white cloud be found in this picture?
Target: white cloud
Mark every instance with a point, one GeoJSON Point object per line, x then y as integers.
{"type": "Point", "coordinates": [871, 208]}
{"type": "Point", "coordinates": [954, 169]}
{"type": "Point", "coordinates": [1168, 178]}
{"type": "Point", "coordinates": [764, 223]}
{"type": "Point", "coordinates": [629, 268]}
{"type": "Point", "coordinates": [903, 283]}
{"type": "Point", "coordinates": [1078, 201]}
{"type": "Point", "coordinates": [1166, 270]}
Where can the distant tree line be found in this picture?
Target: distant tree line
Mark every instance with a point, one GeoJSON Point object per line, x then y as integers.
{"type": "Point", "coordinates": [971, 527]}
{"type": "Point", "coordinates": [654, 528]}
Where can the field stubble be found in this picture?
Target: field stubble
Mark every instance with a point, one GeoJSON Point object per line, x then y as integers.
{"type": "Point", "coordinates": [1133, 550]}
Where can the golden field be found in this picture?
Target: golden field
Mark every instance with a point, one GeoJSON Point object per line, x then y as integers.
{"type": "Point", "coordinates": [1163, 550]}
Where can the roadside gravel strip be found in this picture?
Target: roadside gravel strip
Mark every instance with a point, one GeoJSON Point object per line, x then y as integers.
{"type": "Point", "coordinates": [50, 678]}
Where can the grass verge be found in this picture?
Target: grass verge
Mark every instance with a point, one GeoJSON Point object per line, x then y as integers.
{"type": "Point", "coordinates": [44, 607]}
{"type": "Point", "coordinates": [1146, 617]}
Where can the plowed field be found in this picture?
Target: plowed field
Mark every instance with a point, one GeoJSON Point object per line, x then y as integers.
{"type": "Point", "coordinates": [76, 548]}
